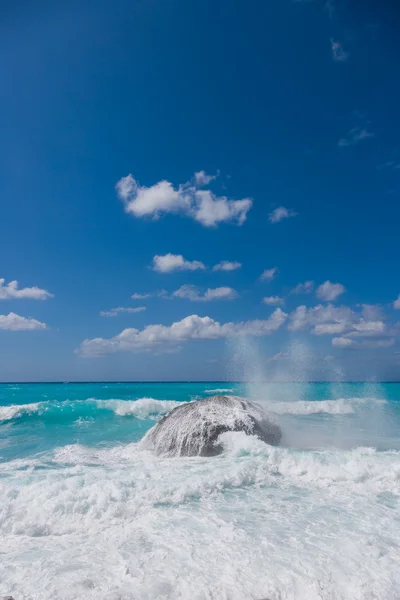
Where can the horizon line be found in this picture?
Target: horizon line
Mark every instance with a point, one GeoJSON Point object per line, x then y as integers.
{"type": "Point", "coordinates": [86, 382]}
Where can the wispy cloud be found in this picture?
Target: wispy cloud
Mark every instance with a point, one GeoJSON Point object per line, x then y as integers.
{"type": "Point", "coordinates": [329, 291]}
{"type": "Point", "coordinates": [281, 213]}
{"type": "Point", "coordinates": [13, 322]}
{"type": "Point", "coordinates": [345, 342]}
{"type": "Point", "coordinates": [269, 274]}
{"type": "Point", "coordinates": [396, 303]}
{"type": "Point", "coordinates": [187, 199]}
{"type": "Point", "coordinates": [338, 52]}
{"type": "Point", "coordinates": [193, 327]}
{"type": "Point", "coordinates": [140, 296]}
{"type": "Point", "coordinates": [355, 136]}
{"type": "Point", "coordinates": [201, 178]}
{"type": "Point", "coordinates": [273, 300]}
{"type": "Point", "coordinates": [175, 262]}
{"type": "Point", "coordinates": [391, 165]}
{"type": "Point", "coordinates": [11, 291]}
{"type": "Point", "coordinates": [303, 288]}
{"type": "Point", "coordinates": [193, 293]}
{"type": "Point", "coordinates": [330, 8]}
{"type": "Point", "coordinates": [114, 312]}
{"type": "Point", "coordinates": [227, 265]}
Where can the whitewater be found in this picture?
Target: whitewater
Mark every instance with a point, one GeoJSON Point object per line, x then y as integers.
{"type": "Point", "coordinates": [87, 512]}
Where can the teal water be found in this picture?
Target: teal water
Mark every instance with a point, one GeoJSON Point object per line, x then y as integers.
{"type": "Point", "coordinates": [85, 513]}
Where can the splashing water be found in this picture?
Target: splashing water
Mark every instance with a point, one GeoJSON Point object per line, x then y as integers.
{"type": "Point", "coordinates": [86, 513]}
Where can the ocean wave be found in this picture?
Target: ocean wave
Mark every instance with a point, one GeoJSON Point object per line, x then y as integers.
{"type": "Point", "coordinates": [141, 408]}
{"type": "Point", "coordinates": [219, 391]}
{"type": "Point", "coordinates": [305, 521]}
{"type": "Point", "coordinates": [14, 411]}
{"type": "Point", "coordinates": [84, 411]}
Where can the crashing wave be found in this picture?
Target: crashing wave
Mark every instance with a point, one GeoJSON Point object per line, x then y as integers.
{"type": "Point", "coordinates": [193, 429]}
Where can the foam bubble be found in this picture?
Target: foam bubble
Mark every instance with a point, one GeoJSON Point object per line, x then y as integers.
{"type": "Point", "coordinates": [256, 522]}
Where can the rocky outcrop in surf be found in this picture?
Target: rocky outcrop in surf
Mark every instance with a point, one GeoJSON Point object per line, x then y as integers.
{"type": "Point", "coordinates": [193, 428]}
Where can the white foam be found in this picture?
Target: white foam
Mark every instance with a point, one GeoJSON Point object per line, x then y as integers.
{"type": "Point", "coordinates": [304, 407]}
{"type": "Point", "coordinates": [219, 391]}
{"type": "Point", "coordinates": [141, 408]}
{"type": "Point", "coordinates": [256, 522]}
{"type": "Point", "coordinates": [7, 413]}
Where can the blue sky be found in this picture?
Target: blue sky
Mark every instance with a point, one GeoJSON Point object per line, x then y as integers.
{"type": "Point", "coordinates": [288, 114]}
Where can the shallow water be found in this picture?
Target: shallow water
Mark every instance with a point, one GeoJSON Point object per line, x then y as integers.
{"type": "Point", "coordinates": [85, 513]}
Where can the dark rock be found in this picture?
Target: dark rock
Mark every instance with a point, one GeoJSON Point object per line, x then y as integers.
{"type": "Point", "coordinates": [193, 428]}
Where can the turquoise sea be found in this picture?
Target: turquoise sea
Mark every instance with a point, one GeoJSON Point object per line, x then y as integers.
{"type": "Point", "coordinates": [85, 512]}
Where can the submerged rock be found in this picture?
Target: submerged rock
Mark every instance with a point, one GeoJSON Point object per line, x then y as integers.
{"type": "Point", "coordinates": [193, 428]}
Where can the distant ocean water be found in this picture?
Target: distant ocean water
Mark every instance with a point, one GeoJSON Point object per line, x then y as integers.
{"type": "Point", "coordinates": [85, 513]}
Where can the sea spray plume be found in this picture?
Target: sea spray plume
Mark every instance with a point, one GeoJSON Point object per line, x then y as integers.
{"type": "Point", "coordinates": [193, 429]}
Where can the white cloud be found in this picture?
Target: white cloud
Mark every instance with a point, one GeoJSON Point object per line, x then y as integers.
{"type": "Point", "coordinates": [11, 292]}
{"type": "Point", "coordinates": [13, 322]}
{"type": "Point", "coordinates": [352, 325]}
{"type": "Point", "coordinates": [193, 327]}
{"type": "Point", "coordinates": [304, 318]}
{"type": "Point", "coordinates": [162, 198]}
{"type": "Point", "coordinates": [329, 328]}
{"type": "Point", "coordinates": [338, 52]}
{"type": "Point", "coordinates": [365, 328]}
{"type": "Point", "coordinates": [114, 312]}
{"type": "Point", "coordinates": [340, 342]}
{"type": "Point", "coordinates": [269, 274]}
{"type": "Point", "coordinates": [273, 300]}
{"type": "Point", "coordinates": [329, 291]}
{"type": "Point", "coordinates": [140, 296]}
{"type": "Point", "coordinates": [192, 292]}
{"type": "Point", "coordinates": [175, 262]}
{"type": "Point", "coordinates": [345, 342]}
{"type": "Point", "coordinates": [280, 213]}
{"type": "Point", "coordinates": [227, 265]}
{"type": "Point", "coordinates": [211, 210]}
{"type": "Point", "coordinates": [201, 178]}
{"type": "Point", "coordinates": [396, 303]}
{"type": "Point", "coordinates": [355, 136]}
{"type": "Point", "coordinates": [303, 288]}
{"type": "Point", "coordinates": [278, 357]}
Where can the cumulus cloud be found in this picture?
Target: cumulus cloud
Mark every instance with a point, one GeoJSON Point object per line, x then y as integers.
{"type": "Point", "coordinates": [201, 178]}
{"type": "Point", "coordinates": [114, 312]}
{"type": "Point", "coordinates": [192, 292]}
{"type": "Point", "coordinates": [303, 288]}
{"type": "Point", "coordinates": [345, 342]}
{"type": "Point", "coordinates": [269, 274]}
{"type": "Point", "coordinates": [350, 324]}
{"type": "Point", "coordinates": [13, 322]}
{"type": "Point", "coordinates": [280, 213]}
{"type": "Point", "coordinates": [273, 300]}
{"type": "Point", "coordinates": [11, 291]}
{"type": "Point", "coordinates": [338, 52]}
{"type": "Point", "coordinates": [396, 303]}
{"type": "Point", "coordinates": [187, 199]}
{"type": "Point", "coordinates": [175, 262]}
{"type": "Point", "coordinates": [329, 291]}
{"type": "Point", "coordinates": [354, 136]}
{"type": "Point", "coordinates": [227, 265]}
{"type": "Point", "coordinates": [193, 327]}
